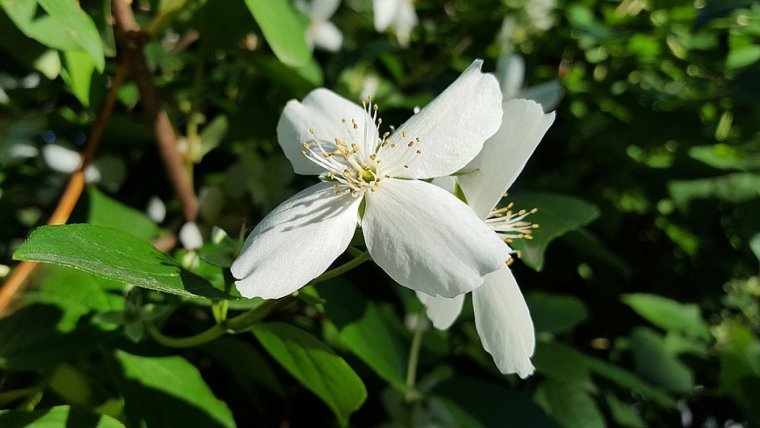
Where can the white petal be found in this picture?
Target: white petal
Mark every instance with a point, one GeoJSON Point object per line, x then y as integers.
{"type": "Point", "coordinates": [504, 155]}
{"type": "Point", "coordinates": [296, 242]}
{"type": "Point", "coordinates": [190, 236]}
{"type": "Point", "coordinates": [510, 71]}
{"type": "Point", "coordinates": [547, 94]}
{"type": "Point", "coordinates": [385, 11]}
{"type": "Point", "coordinates": [454, 126]}
{"type": "Point", "coordinates": [503, 323]}
{"type": "Point", "coordinates": [404, 22]}
{"type": "Point", "coordinates": [428, 240]}
{"type": "Point", "coordinates": [327, 36]}
{"type": "Point", "coordinates": [322, 111]}
{"type": "Point", "coordinates": [441, 310]}
{"type": "Point", "coordinates": [61, 159]}
{"type": "Point", "coordinates": [447, 183]}
{"type": "Point", "coordinates": [322, 10]}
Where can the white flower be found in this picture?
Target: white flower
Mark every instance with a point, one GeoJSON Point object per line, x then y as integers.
{"type": "Point", "coordinates": [321, 33]}
{"type": "Point", "coordinates": [501, 315]}
{"type": "Point", "coordinates": [190, 236]}
{"type": "Point", "coordinates": [156, 209]}
{"type": "Point", "coordinates": [108, 171]}
{"type": "Point", "coordinates": [398, 14]}
{"type": "Point", "coordinates": [510, 70]}
{"type": "Point", "coordinates": [421, 235]}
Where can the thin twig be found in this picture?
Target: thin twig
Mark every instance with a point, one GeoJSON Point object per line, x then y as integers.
{"type": "Point", "coordinates": [132, 39]}
{"type": "Point", "coordinates": [74, 188]}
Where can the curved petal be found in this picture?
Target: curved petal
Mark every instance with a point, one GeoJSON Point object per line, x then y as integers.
{"type": "Point", "coordinates": [322, 10]}
{"type": "Point", "coordinates": [327, 36]}
{"type": "Point", "coordinates": [322, 111]}
{"type": "Point", "coordinates": [548, 94]}
{"type": "Point", "coordinates": [296, 242]}
{"type": "Point", "coordinates": [441, 311]}
{"type": "Point", "coordinates": [510, 71]}
{"type": "Point", "coordinates": [428, 240]}
{"type": "Point", "coordinates": [503, 323]}
{"type": "Point", "coordinates": [504, 155]}
{"type": "Point", "coordinates": [454, 126]}
{"type": "Point", "coordinates": [385, 11]}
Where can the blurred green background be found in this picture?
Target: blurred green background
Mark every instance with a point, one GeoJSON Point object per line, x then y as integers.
{"type": "Point", "coordinates": [642, 279]}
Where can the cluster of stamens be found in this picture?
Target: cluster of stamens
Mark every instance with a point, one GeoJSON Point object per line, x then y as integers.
{"type": "Point", "coordinates": [510, 225]}
{"type": "Point", "coordinates": [353, 170]}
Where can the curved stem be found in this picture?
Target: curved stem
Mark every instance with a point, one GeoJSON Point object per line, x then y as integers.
{"type": "Point", "coordinates": [244, 321]}
{"type": "Point", "coordinates": [414, 355]}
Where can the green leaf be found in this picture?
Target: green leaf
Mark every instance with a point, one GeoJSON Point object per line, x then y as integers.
{"type": "Point", "coordinates": [213, 133]}
{"type": "Point", "coordinates": [726, 157]}
{"type": "Point", "coordinates": [59, 24]}
{"type": "Point", "coordinates": [106, 211]}
{"type": "Point", "coordinates": [557, 215]}
{"type": "Point", "coordinates": [658, 366]}
{"type": "Point", "coordinates": [624, 414]}
{"type": "Point", "coordinates": [555, 313]}
{"type": "Point", "coordinates": [245, 363]}
{"type": "Point", "coordinates": [363, 330]}
{"type": "Point", "coordinates": [315, 365]}
{"type": "Point", "coordinates": [474, 403]}
{"type": "Point", "coordinates": [283, 29]}
{"type": "Point", "coordinates": [736, 188]}
{"type": "Point", "coordinates": [742, 57]}
{"type": "Point", "coordinates": [566, 364]}
{"type": "Point", "coordinates": [668, 314]}
{"type": "Point", "coordinates": [78, 74]}
{"type": "Point", "coordinates": [115, 255]}
{"type": "Point", "coordinates": [55, 417]}
{"type": "Point", "coordinates": [59, 311]}
{"type": "Point", "coordinates": [168, 391]}
{"type": "Point", "coordinates": [570, 405]}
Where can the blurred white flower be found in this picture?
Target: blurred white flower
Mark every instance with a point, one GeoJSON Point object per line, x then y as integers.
{"type": "Point", "coordinates": [321, 33]}
{"type": "Point", "coordinates": [501, 315]}
{"type": "Point", "coordinates": [540, 13]}
{"type": "Point", "coordinates": [107, 171]}
{"type": "Point", "coordinates": [190, 236]}
{"type": "Point", "coordinates": [510, 70]}
{"type": "Point", "coordinates": [156, 209]}
{"type": "Point", "coordinates": [422, 236]}
{"type": "Point", "coordinates": [398, 14]}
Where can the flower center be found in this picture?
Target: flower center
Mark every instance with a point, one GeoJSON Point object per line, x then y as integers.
{"type": "Point", "coordinates": [362, 160]}
{"type": "Point", "coordinates": [510, 225]}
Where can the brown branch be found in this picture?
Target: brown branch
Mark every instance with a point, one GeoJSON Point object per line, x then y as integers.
{"type": "Point", "coordinates": [132, 40]}
{"type": "Point", "coordinates": [74, 188]}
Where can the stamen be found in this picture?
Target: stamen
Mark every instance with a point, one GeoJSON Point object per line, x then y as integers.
{"type": "Point", "coordinates": [511, 225]}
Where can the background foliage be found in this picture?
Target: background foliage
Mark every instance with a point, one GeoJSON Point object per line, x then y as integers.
{"type": "Point", "coordinates": [642, 280]}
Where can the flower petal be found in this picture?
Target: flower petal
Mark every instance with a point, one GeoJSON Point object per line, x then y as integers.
{"type": "Point", "coordinates": [510, 71]}
{"type": "Point", "coordinates": [548, 94]}
{"type": "Point", "coordinates": [322, 10]}
{"type": "Point", "coordinates": [327, 36]}
{"type": "Point", "coordinates": [441, 311]}
{"type": "Point", "coordinates": [503, 323]}
{"type": "Point", "coordinates": [296, 242]}
{"type": "Point", "coordinates": [322, 111]}
{"type": "Point", "coordinates": [454, 126]}
{"type": "Point", "coordinates": [504, 155]}
{"type": "Point", "coordinates": [384, 11]}
{"type": "Point", "coordinates": [428, 240]}
{"type": "Point", "coordinates": [404, 22]}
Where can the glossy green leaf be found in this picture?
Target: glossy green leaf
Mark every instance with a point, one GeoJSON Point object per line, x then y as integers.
{"type": "Point", "coordinates": [570, 405]}
{"type": "Point", "coordinates": [168, 391]}
{"type": "Point", "coordinates": [78, 74]}
{"type": "Point", "coordinates": [315, 365]}
{"type": "Point", "coordinates": [668, 314]}
{"type": "Point", "coordinates": [657, 365]}
{"type": "Point", "coordinates": [115, 255]}
{"type": "Point", "coordinates": [557, 215]}
{"type": "Point", "coordinates": [55, 417]}
{"type": "Point", "coordinates": [363, 330]}
{"type": "Point", "coordinates": [555, 313]}
{"type": "Point", "coordinates": [59, 24]}
{"type": "Point", "coordinates": [106, 211]}
{"type": "Point", "coordinates": [283, 29]}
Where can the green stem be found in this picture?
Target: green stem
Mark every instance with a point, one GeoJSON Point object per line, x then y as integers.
{"type": "Point", "coordinates": [414, 354]}
{"type": "Point", "coordinates": [244, 321]}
